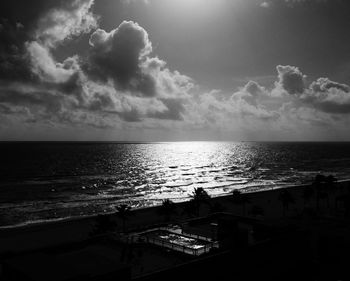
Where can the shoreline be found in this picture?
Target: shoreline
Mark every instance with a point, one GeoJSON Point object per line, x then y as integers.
{"type": "Point", "coordinates": [43, 223]}
{"type": "Point", "coordinates": [43, 235]}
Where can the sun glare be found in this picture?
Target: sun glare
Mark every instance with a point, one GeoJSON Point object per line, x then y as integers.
{"type": "Point", "coordinates": [192, 7]}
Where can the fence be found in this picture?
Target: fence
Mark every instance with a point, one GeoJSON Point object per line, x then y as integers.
{"type": "Point", "coordinates": [180, 248]}
{"type": "Point", "coordinates": [141, 238]}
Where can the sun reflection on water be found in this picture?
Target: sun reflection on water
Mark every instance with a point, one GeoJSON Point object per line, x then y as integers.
{"type": "Point", "coordinates": [60, 180]}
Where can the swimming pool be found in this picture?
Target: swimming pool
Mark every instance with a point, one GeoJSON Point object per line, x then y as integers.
{"type": "Point", "coordinates": [179, 242]}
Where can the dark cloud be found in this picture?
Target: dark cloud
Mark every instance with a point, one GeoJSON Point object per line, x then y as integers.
{"type": "Point", "coordinates": [118, 82]}
{"type": "Point", "coordinates": [118, 54]}
{"type": "Point", "coordinates": [130, 116]}
{"type": "Point", "coordinates": [100, 102]}
{"type": "Point", "coordinates": [30, 75]}
{"type": "Point", "coordinates": [324, 95]}
{"type": "Point", "coordinates": [14, 63]}
{"type": "Point", "coordinates": [6, 110]}
{"type": "Point", "coordinates": [44, 23]}
{"type": "Point", "coordinates": [51, 103]}
{"type": "Point", "coordinates": [333, 100]}
{"type": "Point", "coordinates": [174, 111]}
{"type": "Point", "coordinates": [118, 77]}
{"type": "Point", "coordinates": [291, 79]}
{"type": "Point", "coordinates": [22, 21]}
{"type": "Point", "coordinates": [333, 107]}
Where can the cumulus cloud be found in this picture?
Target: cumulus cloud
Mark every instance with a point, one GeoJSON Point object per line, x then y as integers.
{"type": "Point", "coordinates": [333, 100]}
{"type": "Point", "coordinates": [45, 67]}
{"type": "Point", "coordinates": [291, 79]}
{"type": "Point", "coordinates": [289, 108]}
{"type": "Point", "coordinates": [251, 93]}
{"type": "Point", "coordinates": [135, 86]}
{"type": "Point", "coordinates": [123, 55]}
{"type": "Point", "coordinates": [324, 84]}
{"type": "Point", "coordinates": [118, 54]}
{"type": "Point", "coordinates": [120, 83]}
{"type": "Point", "coordinates": [60, 23]}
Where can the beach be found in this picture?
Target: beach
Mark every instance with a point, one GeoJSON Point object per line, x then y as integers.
{"type": "Point", "coordinates": [264, 205]}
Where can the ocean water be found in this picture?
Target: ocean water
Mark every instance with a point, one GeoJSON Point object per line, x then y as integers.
{"type": "Point", "coordinates": [45, 181]}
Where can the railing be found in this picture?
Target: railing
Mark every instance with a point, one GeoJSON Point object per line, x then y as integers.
{"type": "Point", "coordinates": [180, 248]}
{"type": "Point", "coordinates": [196, 236]}
{"type": "Point", "coordinates": [141, 238]}
{"type": "Point", "coordinates": [191, 235]}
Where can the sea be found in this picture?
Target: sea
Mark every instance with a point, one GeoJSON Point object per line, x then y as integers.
{"type": "Point", "coordinates": [43, 181]}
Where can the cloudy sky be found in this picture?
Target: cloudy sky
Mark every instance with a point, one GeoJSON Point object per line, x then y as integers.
{"type": "Point", "coordinates": [163, 70]}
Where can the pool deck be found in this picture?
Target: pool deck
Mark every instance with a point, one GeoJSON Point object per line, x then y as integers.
{"type": "Point", "coordinates": [152, 236]}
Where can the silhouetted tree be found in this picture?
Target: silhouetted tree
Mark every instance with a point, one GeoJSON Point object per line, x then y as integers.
{"type": "Point", "coordinates": [319, 179]}
{"type": "Point", "coordinates": [103, 224]}
{"type": "Point", "coordinates": [240, 198]}
{"type": "Point", "coordinates": [286, 198]}
{"type": "Point", "coordinates": [199, 196]}
{"type": "Point", "coordinates": [123, 212]}
{"type": "Point", "coordinates": [347, 205]}
{"type": "Point", "coordinates": [257, 210]}
{"type": "Point", "coordinates": [322, 194]}
{"type": "Point", "coordinates": [308, 193]}
{"type": "Point", "coordinates": [331, 179]}
{"type": "Point", "coordinates": [190, 208]}
{"type": "Point", "coordinates": [217, 208]}
{"type": "Point", "coordinates": [339, 198]}
{"type": "Point", "coordinates": [322, 185]}
{"type": "Point", "coordinates": [167, 209]}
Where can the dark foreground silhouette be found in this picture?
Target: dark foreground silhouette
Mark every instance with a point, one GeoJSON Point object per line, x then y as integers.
{"type": "Point", "coordinates": [299, 233]}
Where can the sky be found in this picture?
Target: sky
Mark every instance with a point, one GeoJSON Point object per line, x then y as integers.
{"type": "Point", "coordinates": [165, 70]}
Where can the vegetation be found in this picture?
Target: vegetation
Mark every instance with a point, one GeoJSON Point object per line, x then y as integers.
{"type": "Point", "coordinates": [217, 208]}
{"type": "Point", "coordinates": [286, 198]}
{"type": "Point", "coordinates": [199, 197]}
{"type": "Point", "coordinates": [103, 224]}
{"type": "Point", "coordinates": [123, 212]}
{"type": "Point", "coordinates": [308, 193]}
{"type": "Point", "coordinates": [322, 185]}
{"type": "Point", "coordinates": [257, 210]}
{"type": "Point", "coordinates": [190, 208]}
{"type": "Point", "coordinates": [240, 198]}
{"type": "Point", "coordinates": [167, 209]}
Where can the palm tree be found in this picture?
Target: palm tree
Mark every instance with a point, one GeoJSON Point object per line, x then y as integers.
{"type": "Point", "coordinates": [286, 198]}
{"type": "Point", "coordinates": [240, 198]}
{"type": "Point", "coordinates": [322, 184]}
{"type": "Point", "coordinates": [318, 182]}
{"type": "Point", "coordinates": [308, 193]}
{"type": "Point", "coordinates": [123, 212]}
{"type": "Point", "coordinates": [257, 210]}
{"type": "Point", "coordinates": [322, 194]}
{"type": "Point", "coordinates": [217, 208]}
{"type": "Point", "coordinates": [199, 196]}
{"type": "Point", "coordinates": [319, 179]}
{"type": "Point", "coordinates": [347, 205]}
{"type": "Point", "coordinates": [330, 180]}
{"type": "Point", "coordinates": [190, 208]}
{"type": "Point", "coordinates": [103, 224]}
{"type": "Point", "coordinates": [167, 209]}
